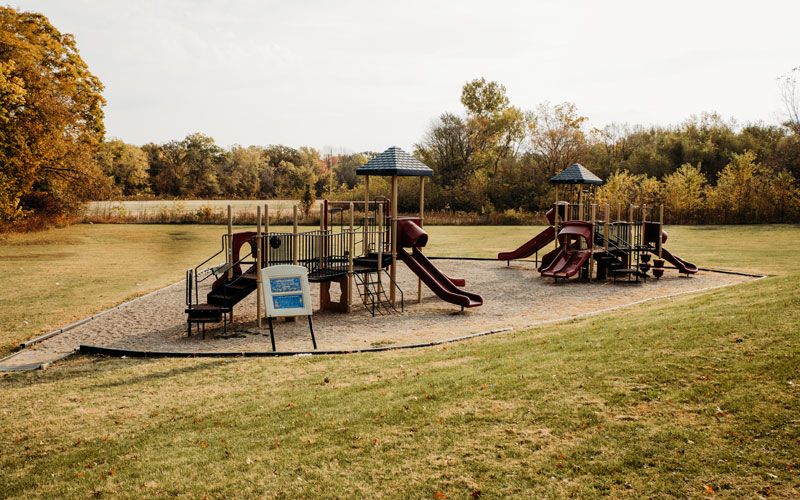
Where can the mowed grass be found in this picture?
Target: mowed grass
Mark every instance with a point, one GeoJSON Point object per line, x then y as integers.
{"type": "Point", "coordinates": [682, 398]}
{"type": "Point", "coordinates": [688, 397]}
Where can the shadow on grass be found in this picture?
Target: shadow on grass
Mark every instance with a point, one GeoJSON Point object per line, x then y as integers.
{"type": "Point", "coordinates": [194, 368]}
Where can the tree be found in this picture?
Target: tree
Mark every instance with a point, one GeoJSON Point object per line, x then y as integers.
{"type": "Point", "coordinates": [126, 165]}
{"type": "Point", "coordinates": [51, 120]}
{"type": "Point", "coordinates": [790, 95]}
{"type": "Point", "coordinates": [557, 137]}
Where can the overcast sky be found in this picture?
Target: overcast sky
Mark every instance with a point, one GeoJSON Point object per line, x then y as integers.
{"type": "Point", "coordinates": [366, 75]}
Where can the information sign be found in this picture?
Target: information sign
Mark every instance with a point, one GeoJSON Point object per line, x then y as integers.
{"type": "Point", "coordinates": [286, 291]}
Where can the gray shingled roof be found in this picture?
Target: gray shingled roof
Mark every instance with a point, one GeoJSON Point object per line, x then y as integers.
{"type": "Point", "coordinates": [394, 161]}
{"type": "Point", "coordinates": [576, 174]}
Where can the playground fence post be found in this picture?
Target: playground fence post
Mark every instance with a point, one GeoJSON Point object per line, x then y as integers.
{"type": "Point", "coordinates": [607, 215]}
{"type": "Point", "coordinates": [295, 237]}
{"type": "Point", "coordinates": [380, 249]}
{"type": "Point", "coordinates": [580, 205]}
{"type": "Point", "coordinates": [322, 236]}
{"type": "Point", "coordinates": [421, 224]}
{"type": "Point", "coordinates": [266, 230]}
{"type": "Point", "coordinates": [393, 270]}
{"type": "Point", "coordinates": [591, 243]}
{"type": "Point", "coordinates": [660, 227]}
{"type": "Point", "coordinates": [555, 218]}
{"type": "Point", "coordinates": [258, 265]}
{"type": "Point", "coordinates": [351, 248]}
{"type": "Point", "coordinates": [230, 251]}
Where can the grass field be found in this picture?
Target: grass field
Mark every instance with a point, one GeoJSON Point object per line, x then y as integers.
{"type": "Point", "coordinates": [688, 397]}
{"type": "Point", "coordinates": [141, 208]}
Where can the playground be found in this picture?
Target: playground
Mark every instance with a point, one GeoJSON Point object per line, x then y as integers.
{"type": "Point", "coordinates": [373, 287]}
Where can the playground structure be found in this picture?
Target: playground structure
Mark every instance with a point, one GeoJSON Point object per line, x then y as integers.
{"type": "Point", "coordinates": [598, 246]}
{"type": "Point", "coordinates": [360, 253]}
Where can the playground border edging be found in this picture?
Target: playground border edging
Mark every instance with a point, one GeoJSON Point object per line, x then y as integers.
{"type": "Point", "coordinates": [110, 351]}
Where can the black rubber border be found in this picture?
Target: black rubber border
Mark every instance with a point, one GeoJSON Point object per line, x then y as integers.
{"type": "Point", "coordinates": [707, 269]}
{"type": "Point", "coordinates": [110, 351]}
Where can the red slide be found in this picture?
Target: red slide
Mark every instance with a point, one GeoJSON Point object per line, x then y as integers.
{"type": "Point", "coordinates": [566, 263]}
{"type": "Point", "coordinates": [437, 281]}
{"type": "Point", "coordinates": [409, 234]}
{"type": "Point", "coordinates": [538, 242]}
{"type": "Point", "coordinates": [682, 265]}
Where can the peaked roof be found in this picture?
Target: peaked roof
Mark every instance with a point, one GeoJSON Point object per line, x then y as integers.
{"type": "Point", "coordinates": [576, 174]}
{"type": "Point", "coordinates": [394, 161]}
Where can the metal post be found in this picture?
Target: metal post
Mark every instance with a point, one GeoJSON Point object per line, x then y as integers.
{"type": "Point", "coordinates": [351, 247]}
{"type": "Point", "coordinates": [421, 224]}
{"type": "Point", "coordinates": [393, 270]}
{"type": "Point", "coordinates": [591, 243]}
{"type": "Point", "coordinates": [380, 250]}
{"type": "Point", "coordinates": [660, 227]}
{"type": "Point", "coordinates": [295, 237]}
{"type": "Point", "coordinates": [555, 218]}
{"type": "Point", "coordinates": [259, 297]}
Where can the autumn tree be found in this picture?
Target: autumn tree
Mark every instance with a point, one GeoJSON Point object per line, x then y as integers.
{"type": "Point", "coordinates": [51, 120]}
{"type": "Point", "coordinates": [126, 165]}
{"type": "Point", "coordinates": [558, 138]}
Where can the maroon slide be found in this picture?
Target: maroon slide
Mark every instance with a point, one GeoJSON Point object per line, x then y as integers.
{"type": "Point", "coordinates": [437, 281]}
{"type": "Point", "coordinates": [682, 265]}
{"type": "Point", "coordinates": [567, 263]}
{"type": "Point", "coordinates": [409, 234]}
{"type": "Point", "coordinates": [535, 244]}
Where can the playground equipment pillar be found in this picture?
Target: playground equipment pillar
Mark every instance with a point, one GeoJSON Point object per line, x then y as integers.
{"type": "Point", "coordinates": [266, 230]}
{"type": "Point", "coordinates": [295, 237]}
{"type": "Point", "coordinates": [229, 253]}
{"type": "Point", "coordinates": [258, 265]}
{"type": "Point", "coordinates": [605, 228]}
{"type": "Point", "coordinates": [591, 243]}
{"type": "Point", "coordinates": [322, 226]}
{"type": "Point", "coordinates": [364, 236]}
{"type": "Point", "coordinates": [660, 227]}
{"type": "Point", "coordinates": [619, 210]}
{"type": "Point", "coordinates": [350, 247]}
{"type": "Point", "coordinates": [421, 224]}
{"type": "Point", "coordinates": [630, 234]}
{"type": "Point", "coordinates": [555, 218]}
{"type": "Point", "coordinates": [380, 250]}
{"type": "Point", "coordinates": [393, 271]}
{"type": "Point", "coordinates": [580, 205]}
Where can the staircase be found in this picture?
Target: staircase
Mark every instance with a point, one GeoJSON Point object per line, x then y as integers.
{"type": "Point", "coordinates": [225, 293]}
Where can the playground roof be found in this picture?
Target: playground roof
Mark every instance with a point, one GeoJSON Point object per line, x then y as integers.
{"type": "Point", "coordinates": [576, 174]}
{"type": "Point", "coordinates": [394, 161]}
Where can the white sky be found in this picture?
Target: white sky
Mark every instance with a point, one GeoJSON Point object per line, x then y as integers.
{"type": "Point", "coordinates": [366, 75]}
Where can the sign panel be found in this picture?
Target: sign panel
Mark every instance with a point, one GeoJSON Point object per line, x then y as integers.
{"type": "Point", "coordinates": [286, 291]}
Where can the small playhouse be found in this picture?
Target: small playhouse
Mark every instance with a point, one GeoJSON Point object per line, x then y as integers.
{"type": "Point", "coordinates": [359, 255]}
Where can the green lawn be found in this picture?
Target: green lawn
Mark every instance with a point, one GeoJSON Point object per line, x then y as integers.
{"type": "Point", "coordinates": [676, 398]}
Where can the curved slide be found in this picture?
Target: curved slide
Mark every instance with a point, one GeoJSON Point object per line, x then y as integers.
{"type": "Point", "coordinates": [533, 245]}
{"type": "Point", "coordinates": [409, 234]}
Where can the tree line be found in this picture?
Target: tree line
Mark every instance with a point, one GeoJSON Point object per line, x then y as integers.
{"type": "Point", "coordinates": [489, 158]}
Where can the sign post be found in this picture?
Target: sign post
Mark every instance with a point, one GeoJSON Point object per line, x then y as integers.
{"type": "Point", "coordinates": [287, 294]}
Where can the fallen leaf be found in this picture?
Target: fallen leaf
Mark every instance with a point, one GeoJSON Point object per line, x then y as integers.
{"type": "Point", "coordinates": [709, 490]}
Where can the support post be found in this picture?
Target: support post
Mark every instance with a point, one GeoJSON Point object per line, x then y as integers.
{"type": "Point", "coordinates": [350, 247]}
{"type": "Point", "coordinates": [591, 243]}
{"type": "Point", "coordinates": [258, 265]}
{"type": "Point", "coordinates": [295, 237]}
{"type": "Point", "coordinates": [266, 231]}
{"type": "Point", "coordinates": [607, 215]}
{"type": "Point", "coordinates": [555, 218]}
{"type": "Point", "coordinates": [365, 228]}
{"type": "Point", "coordinates": [660, 227]}
{"type": "Point", "coordinates": [380, 251]}
{"type": "Point", "coordinates": [323, 240]}
{"type": "Point", "coordinates": [581, 212]}
{"type": "Point", "coordinates": [393, 270]}
{"type": "Point", "coordinates": [229, 253]}
{"type": "Point", "coordinates": [421, 224]}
